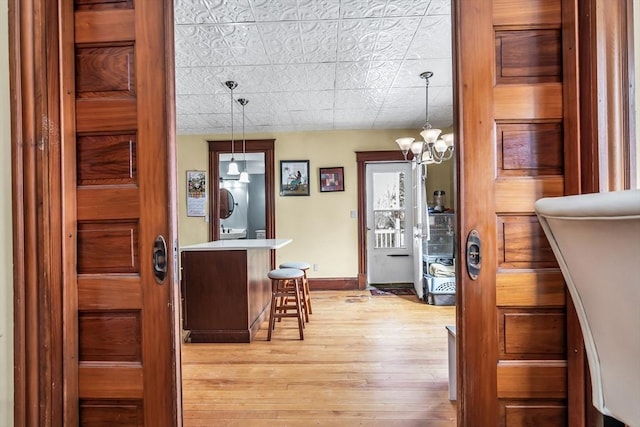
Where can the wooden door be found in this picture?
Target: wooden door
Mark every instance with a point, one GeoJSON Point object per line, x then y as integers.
{"type": "Point", "coordinates": [516, 107]}
{"type": "Point", "coordinates": [117, 80]}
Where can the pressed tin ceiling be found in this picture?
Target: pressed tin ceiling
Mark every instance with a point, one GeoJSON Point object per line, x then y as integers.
{"type": "Point", "coordinates": [312, 64]}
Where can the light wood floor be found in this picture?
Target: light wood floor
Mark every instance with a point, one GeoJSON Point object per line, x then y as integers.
{"type": "Point", "coordinates": [365, 361]}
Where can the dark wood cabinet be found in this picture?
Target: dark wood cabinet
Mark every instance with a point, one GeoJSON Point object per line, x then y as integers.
{"type": "Point", "coordinates": [226, 293]}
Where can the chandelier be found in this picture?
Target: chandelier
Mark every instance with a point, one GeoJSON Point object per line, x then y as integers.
{"type": "Point", "coordinates": [434, 148]}
{"type": "Point", "coordinates": [233, 166]}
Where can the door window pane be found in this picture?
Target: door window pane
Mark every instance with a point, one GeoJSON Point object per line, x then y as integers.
{"type": "Point", "coordinates": [389, 209]}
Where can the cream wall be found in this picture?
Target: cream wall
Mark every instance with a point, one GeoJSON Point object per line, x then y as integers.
{"type": "Point", "coordinates": [6, 248]}
{"type": "Point", "coordinates": [321, 225]}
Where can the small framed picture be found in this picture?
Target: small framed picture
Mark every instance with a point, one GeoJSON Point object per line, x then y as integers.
{"type": "Point", "coordinates": [294, 177]}
{"type": "Point", "coordinates": [332, 179]}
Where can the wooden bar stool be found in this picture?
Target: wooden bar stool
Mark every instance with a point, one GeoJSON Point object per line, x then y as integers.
{"type": "Point", "coordinates": [306, 296]}
{"type": "Point", "coordinates": [286, 297]}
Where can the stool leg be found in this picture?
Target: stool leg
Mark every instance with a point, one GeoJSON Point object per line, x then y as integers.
{"type": "Point", "coordinates": [305, 283]}
{"type": "Point", "coordinates": [303, 301]}
{"type": "Point", "coordinates": [299, 306]}
{"type": "Point", "coordinates": [272, 311]}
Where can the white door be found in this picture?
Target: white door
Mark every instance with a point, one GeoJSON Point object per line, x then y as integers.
{"type": "Point", "coordinates": [420, 226]}
{"type": "Point", "coordinates": [389, 223]}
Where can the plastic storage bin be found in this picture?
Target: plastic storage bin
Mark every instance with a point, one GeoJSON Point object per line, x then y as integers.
{"type": "Point", "coordinates": [440, 290]}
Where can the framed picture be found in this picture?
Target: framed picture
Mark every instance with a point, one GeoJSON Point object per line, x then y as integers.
{"type": "Point", "coordinates": [294, 177]}
{"type": "Point", "coordinates": [332, 179]}
{"type": "Point", "coordinates": [196, 193]}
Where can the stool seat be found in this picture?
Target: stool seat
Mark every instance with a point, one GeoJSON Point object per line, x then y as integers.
{"type": "Point", "coordinates": [298, 265]}
{"type": "Point", "coordinates": [285, 273]}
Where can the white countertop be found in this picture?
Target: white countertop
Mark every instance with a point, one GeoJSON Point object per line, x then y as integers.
{"type": "Point", "coordinates": [238, 245]}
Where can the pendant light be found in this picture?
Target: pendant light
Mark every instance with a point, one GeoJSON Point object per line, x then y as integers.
{"type": "Point", "coordinates": [244, 176]}
{"type": "Point", "coordinates": [233, 166]}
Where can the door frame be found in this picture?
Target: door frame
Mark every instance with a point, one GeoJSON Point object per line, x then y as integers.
{"type": "Point", "coordinates": [362, 158]}
{"type": "Point", "coordinates": [265, 146]}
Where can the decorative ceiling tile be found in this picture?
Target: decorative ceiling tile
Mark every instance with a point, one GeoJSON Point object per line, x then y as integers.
{"type": "Point", "coordinates": [355, 115]}
{"type": "Point", "coordinates": [199, 104]}
{"type": "Point", "coordinates": [267, 118]}
{"type": "Point", "coordinates": [362, 8]}
{"type": "Point", "coordinates": [312, 117]}
{"type": "Point", "coordinates": [357, 38]}
{"type": "Point", "coordinates": [406, 7]}
{"type": "Point", "coordinates": [272, 103]}
{"type": "Point", "coordinates": [318, 9]}
{"type": "Point", "coordinates": [319, 41]}
{"type": "Point", "coordinates": [359, 98]}
{"type": "Point", "coordinates": [359, 75]}
{"type": "Point", "coordinates": [439, 7]}
{"type": "Point", "coordinates": [394, 38]}
{"type": "Point", "coordinates": [212, 11]}
{"type": "Point", "coordinates": [282, 42]}
{"type": "Point", "coordinates": [321, 76]}
{"type": "Point", "coordinates": [198, 80]}
{"type": "Point", "coordinates": [295, 10]}
{"type": "Point", "coordinates": [432, 39]}
{"type": "Point", "coordinates": [310, 100]}
{"type": "Point", "coordinates": [275, 10]}
{"type": "Point", "coordinates": [305, 58]}
{"type": "Point", "coordinates": [410, 70]}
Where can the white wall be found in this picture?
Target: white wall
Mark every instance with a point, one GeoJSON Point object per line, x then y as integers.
{"type": "Point", "coordinates": [6, 247]}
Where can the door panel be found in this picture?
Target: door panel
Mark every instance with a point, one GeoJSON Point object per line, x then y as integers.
{"type": "Point", "coordinates": [119, 353]}
{"type": "Point", "coordinates": [511, 75]}
{"type": "Point", "coordinates": [390, 223]}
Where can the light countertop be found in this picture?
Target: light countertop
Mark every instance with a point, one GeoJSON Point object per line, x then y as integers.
{"type": "Point", "coordinates": [237, 245]}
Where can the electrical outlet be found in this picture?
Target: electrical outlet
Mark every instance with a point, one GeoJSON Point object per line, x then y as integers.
{"type": "Point", "coordinates": [315, 267]}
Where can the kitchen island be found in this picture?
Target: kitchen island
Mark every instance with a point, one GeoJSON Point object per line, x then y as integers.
{"type": "Point", "coordinates": [225, 288]}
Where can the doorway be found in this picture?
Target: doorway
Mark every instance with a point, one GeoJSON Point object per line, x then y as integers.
{"type": "Point", "coordinates": [389, 214]}
{"type": "Point", "coordinates": [260, 218]}
{"type": "Point", "coordinates": [33, 370]}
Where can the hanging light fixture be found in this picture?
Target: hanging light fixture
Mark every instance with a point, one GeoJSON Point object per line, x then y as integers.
{"type": "Point", "coordinates": [233, 166]}
{"type": "Point", "coordinates": [431, 149]}
{"type": "Point", "coordinates": [244, 176]}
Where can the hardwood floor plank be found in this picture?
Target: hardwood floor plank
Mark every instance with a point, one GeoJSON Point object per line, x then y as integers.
{"type": "Point", "coordinates": [365, 360]}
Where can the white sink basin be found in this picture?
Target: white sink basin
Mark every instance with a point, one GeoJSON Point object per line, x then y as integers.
{"type": "Point", "coordinates": [233, 233]}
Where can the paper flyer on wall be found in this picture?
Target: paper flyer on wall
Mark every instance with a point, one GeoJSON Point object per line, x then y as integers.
{"type": "Point", "coordinates": [196, 193]}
